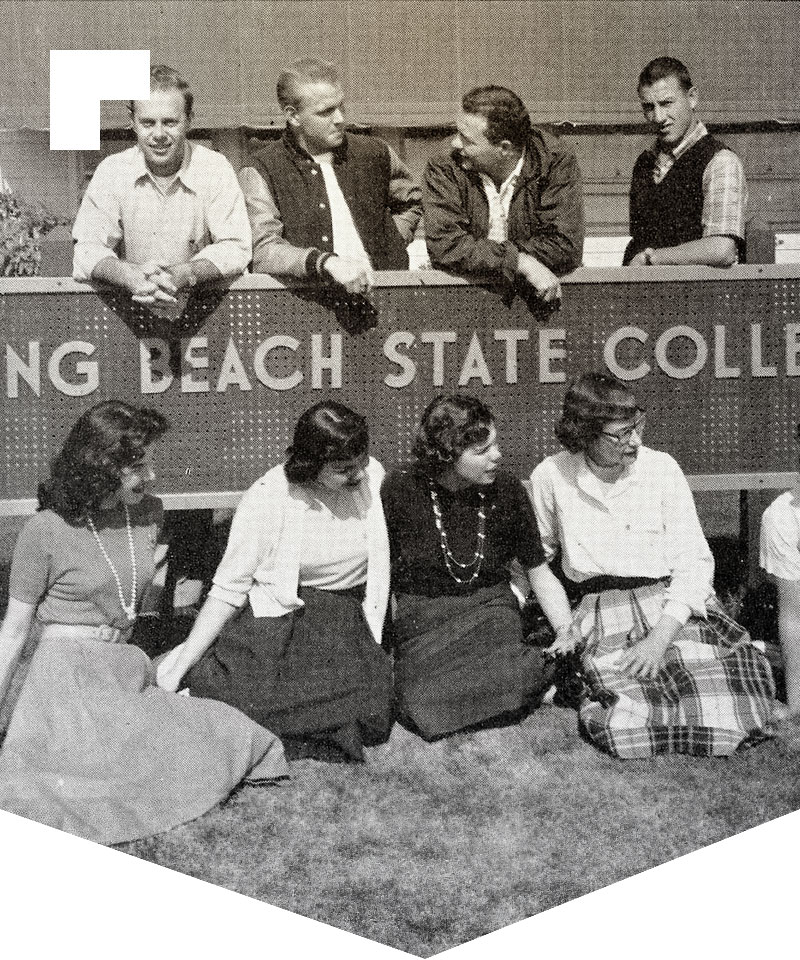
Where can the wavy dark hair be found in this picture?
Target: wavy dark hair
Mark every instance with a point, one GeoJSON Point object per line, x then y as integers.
{"type": "Point", "coordinates": [450, 424]}
{"type": "Point", "coordinates": [165, 78]}
{"type": "Point", "coordinates": [507, 117]}
{"type": "Point", "coordinates": [592, 401]}
{"type": "Point", "coordinates": [108, 437]}
{"type": "Point", "coordinates": [327, 432]}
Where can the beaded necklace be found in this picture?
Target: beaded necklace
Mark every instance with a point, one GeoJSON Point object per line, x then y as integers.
{"type": "Point", "coordinates": [449, 560]}
{"type": "Point", "coordinates": [129, 609]}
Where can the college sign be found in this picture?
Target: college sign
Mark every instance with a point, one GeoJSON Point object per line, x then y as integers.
{"type": "Point", "coordinates": [714, 356]}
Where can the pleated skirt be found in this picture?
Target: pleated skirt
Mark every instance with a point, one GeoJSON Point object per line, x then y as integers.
{"type": "Point", "coordinates": [714, 693]}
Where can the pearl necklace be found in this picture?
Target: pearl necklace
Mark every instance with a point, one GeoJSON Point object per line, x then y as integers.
{"type": "Point", "coordinates": [129, 609]}
{"type": "Point", "coordinates": [449, 560]}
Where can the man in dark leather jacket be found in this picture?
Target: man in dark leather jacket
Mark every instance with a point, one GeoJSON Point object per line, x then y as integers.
{"type": "Point", "coordinates": [506, 202]}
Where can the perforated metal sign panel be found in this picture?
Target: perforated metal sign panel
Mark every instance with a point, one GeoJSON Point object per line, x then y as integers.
{"type": "Point", "coordinates": [714, 361]}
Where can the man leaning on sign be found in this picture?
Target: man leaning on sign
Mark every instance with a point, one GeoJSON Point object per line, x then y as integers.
{"type": "Point", "coordinates": [506, 201]}
{"type": "Point", "coordinates": [165, 215]}
{"type": "Point", "coordinates": [158, 219]}
{"type": "Point", "coordinates": [688, 192]}
{"type": "Point", "coordinates": [323, 203]}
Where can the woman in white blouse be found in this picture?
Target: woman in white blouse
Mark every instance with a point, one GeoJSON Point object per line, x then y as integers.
{"type": "Point", "coordinates": [667, 670]}
{"type": "Point", "coordinates": [780, 558]}
{"type": "Point", "coordinates": [291, 630]}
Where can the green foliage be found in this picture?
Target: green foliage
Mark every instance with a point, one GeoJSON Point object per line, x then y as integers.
{"type": "Point", "coordinates": [22, 227]}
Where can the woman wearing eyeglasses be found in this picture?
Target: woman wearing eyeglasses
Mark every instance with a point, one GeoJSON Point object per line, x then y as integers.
{"type": "Point", "coordinates": [667, 670]}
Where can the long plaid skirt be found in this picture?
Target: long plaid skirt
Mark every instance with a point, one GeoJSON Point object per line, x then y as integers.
{"type": "Point", "coordinates": [714, 692]}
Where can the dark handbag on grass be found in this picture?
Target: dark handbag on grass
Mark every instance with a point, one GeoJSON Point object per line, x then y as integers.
{"type": "Point", "coordinates": [571, 682]}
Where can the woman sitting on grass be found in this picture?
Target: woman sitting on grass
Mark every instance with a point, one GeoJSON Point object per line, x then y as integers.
{"type": "Point", "coordinates": [93, 746]}
{"type": "Point", "coordinates": [308, 548]}
{"type": "Point", "coordinates": [667, 670]}
{"type": "Point", "coordinates": [455, 521]}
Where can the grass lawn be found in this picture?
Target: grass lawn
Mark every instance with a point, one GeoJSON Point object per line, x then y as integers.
{"type": "Point", "coordinates": [429, 845]}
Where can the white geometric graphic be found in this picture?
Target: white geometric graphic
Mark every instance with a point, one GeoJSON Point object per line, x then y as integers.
{"type": "Point", "coordinates": [79, 80]}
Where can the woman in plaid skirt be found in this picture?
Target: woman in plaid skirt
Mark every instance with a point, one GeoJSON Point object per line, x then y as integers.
{"type": "Point", "coordinates": [667, 670]}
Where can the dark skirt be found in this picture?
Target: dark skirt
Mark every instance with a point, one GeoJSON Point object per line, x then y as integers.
{"type": "Point", "coordinates": [316, 676]}
{"type": "Point", "coordinates": [462, 662]}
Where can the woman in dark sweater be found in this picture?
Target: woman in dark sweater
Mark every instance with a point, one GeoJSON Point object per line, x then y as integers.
{"type": "Point", "coordinates": [455, 522]}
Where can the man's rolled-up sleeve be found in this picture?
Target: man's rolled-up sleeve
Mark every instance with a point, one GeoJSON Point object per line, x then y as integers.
{"type": "Point", "coordinates": [97, 230]}
{"type": "Point", "coordinates": [231, 244]}
{"type": "Point", "coordinates": [272, 253]}
{"type": "Point", "coordinates": [724, 196]}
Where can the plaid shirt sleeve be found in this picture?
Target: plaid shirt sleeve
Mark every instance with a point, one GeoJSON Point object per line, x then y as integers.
{"type": "Point", "coordinates": [724, 196]}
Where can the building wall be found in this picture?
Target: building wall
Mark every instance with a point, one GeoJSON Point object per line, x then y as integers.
{"type": "Point", "coordinates": [405, 63]}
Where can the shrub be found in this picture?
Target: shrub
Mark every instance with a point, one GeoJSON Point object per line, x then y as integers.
{"type": "Point", "coordinates": [22, 227]}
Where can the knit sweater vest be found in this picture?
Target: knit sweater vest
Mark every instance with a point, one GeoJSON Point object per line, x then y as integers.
{"type": "Point", "coordinates": [669, 213]}
{"type": "Point", "coordinates": [363, 169]}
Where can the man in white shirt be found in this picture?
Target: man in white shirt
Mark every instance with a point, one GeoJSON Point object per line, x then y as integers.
{"type": "Point", "coordinates": [158, 219]}
{"type": "Point", "coordinates": [166, 214]}
{"type": "Point", "coordinates": [325, 204]}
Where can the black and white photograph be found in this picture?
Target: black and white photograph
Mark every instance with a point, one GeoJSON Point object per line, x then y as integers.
{"type": "Point", "coordinates": [399, 498]}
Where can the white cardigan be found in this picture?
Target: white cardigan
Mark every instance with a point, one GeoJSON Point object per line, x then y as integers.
{"type": "Point", "coordinates": [262, 559]}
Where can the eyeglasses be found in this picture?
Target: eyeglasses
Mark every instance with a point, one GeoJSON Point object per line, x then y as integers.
{"type": "Point", "coordinates": [624, 436]}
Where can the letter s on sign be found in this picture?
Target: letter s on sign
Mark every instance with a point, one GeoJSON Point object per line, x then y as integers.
{"type": "Point", "coordinates": [407, 366]}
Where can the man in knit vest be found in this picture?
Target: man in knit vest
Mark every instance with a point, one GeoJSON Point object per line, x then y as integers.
{"type": "Point", "coordinates": [325, 204]}
{"type": "Point", "coordinates": [688, 192]}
